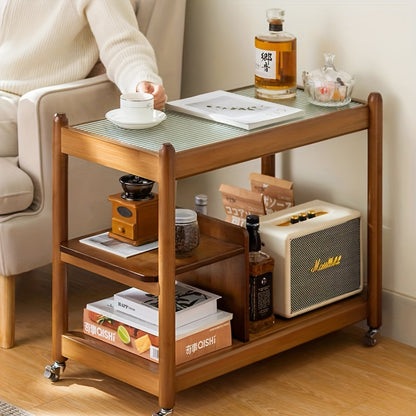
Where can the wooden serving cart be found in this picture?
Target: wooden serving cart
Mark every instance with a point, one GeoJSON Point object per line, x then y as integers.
{"type": "Point", "coordinates": [180, 147]}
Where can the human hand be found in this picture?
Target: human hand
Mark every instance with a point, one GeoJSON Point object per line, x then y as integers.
{"type": "Point", "coordinates": [158, 92]}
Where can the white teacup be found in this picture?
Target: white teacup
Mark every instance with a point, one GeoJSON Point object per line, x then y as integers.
{"type": "Point", "coordinates": [137, 106]}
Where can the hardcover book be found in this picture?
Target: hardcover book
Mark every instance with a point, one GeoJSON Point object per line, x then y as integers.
{"type": "Point", "coordinates": [139, 337]}
{"type": "Point", "coordinates": [235, 109]}
{"type": "Point", "coordinates": [191, 304]}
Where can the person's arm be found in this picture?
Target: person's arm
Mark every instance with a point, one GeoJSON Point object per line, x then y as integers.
{"type": "Point", "coordinates": [126, 53]}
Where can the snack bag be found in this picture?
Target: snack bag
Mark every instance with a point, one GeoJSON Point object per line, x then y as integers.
{"type": "Point", "coordinates": [239, 202]}
{"type": "Point", "coordinates": [277, 193]}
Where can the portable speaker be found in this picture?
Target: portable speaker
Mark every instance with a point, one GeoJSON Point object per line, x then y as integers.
{"type": "Point", "coordinates": [317, 251]}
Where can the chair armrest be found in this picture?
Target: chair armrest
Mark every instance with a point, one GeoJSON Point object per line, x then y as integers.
{"type": "Point", "coordinates": [81, 101]}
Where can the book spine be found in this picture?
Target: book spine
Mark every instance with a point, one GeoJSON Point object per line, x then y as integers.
{"type": "Point", "coordinates": [122, 317]}
{"type": "Point", "coordinates": [147, 346]}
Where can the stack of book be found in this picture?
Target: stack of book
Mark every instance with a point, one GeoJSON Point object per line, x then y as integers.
{"type": "Point", "coordinates": [130, 320]}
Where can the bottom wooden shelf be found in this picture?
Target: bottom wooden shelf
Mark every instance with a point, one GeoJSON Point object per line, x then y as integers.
{"type": "Point", "coordinates": [122, 365]}
{"type": "Point", "coordinates": [285, 334]}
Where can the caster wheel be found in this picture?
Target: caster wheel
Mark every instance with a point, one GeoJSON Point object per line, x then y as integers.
{"type": "Point", "coordinates": [370, 337]}
{"type": "Point", "coordinates": [52, 372]}
{"type": "Point", "coordinates": [163, 412]}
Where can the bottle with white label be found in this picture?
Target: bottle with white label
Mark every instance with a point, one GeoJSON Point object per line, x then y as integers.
{"type": "Point", "coordinates": [275, 74]}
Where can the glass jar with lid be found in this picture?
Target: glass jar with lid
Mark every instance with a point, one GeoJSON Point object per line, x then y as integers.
{"type": "Point", "coordinates": [186, 232]}
{"type": "Point", "coordinates": [326, 86]}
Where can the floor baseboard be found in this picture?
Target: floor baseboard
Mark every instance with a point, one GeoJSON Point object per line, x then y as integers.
{"type": "Point", "coordinates": [398, 311]}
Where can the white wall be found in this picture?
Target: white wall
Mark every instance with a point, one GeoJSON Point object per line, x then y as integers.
{"type": "Point", "coordinates": [375, 41]}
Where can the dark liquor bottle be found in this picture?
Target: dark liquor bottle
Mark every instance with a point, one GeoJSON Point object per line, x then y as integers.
{"type": "Point", "coordinates": [261, 267]}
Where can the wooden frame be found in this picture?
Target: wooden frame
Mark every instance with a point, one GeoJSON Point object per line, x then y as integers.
{"type": "Point", "coordinates": [158, 275]}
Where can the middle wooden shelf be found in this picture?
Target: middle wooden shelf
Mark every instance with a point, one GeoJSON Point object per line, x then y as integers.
{"type": "Point", "coordinates": [219, 265]}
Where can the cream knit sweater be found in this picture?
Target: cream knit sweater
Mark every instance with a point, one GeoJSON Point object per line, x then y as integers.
{"type": "Point", "coordinates": [49, 42]}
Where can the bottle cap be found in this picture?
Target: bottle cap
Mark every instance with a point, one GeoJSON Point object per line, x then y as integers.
{"type": "Point", "coordinates": [252, 225]}
{"type": "Point", "coordinates": [201, 199]}
{"type": "Point", "coordinates": [252, 219]}
{"type": "Point", "coordinates": [185, 216]}
{"type": "Point", "coordinates": [275, 14]}
{"type": "Point", "coordinates": [275, 17]}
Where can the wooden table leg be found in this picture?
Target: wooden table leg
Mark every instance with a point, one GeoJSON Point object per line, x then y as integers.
{"type": "Point", "coordinates": [60, 233]}
{"type": "Point", "coordinates": [375, 203]}
{"type": "Point", "coordinates": [268, 165]}
{"type": "Point", "coordinates": [167, 364]}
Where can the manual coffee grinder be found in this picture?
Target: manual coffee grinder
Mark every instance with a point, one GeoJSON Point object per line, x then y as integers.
{"type": "Point", "coordinates": [135, 211]}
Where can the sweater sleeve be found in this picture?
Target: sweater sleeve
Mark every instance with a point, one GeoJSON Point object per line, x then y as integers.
{"type": "Point", "coordinates": [124, 50]}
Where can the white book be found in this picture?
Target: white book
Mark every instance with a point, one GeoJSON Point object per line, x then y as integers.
{"type": "Point", "coordinates": [191, 304]}
{"type": "Point", "coordinates": [235, 109]}
{"type": "Point", "coordinates": [105, 308]}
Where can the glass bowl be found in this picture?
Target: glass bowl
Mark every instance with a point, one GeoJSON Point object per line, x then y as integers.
{"type": "Point", "coordinates": [326, 86]}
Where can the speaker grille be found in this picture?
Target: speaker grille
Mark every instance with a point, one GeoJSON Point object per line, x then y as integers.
{"type": "Point", "coordinates": [317, 273]}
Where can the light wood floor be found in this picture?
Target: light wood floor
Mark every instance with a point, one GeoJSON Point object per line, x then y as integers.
{"type": "Point", "coordinates": [333, 376]}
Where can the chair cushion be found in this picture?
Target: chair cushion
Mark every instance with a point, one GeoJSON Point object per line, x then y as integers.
{"type": "Point", "coordinates": [16, 187]}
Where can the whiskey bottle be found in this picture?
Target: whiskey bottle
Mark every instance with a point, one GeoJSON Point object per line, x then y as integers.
{"type": "Point", "coordinates": [261, 267]}
{"type": "Point", "coordinates": [275, 74]}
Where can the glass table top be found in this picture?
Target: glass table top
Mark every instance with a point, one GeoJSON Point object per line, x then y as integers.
{"type": "Point", "coordinates": [185, 132]}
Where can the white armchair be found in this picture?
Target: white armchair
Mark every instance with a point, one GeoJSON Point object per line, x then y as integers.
{"type": "Point", "coordinates": [26, 236]}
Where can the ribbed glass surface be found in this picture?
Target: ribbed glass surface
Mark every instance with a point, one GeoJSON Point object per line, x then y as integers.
{"type": "Point", "coordinates": [186, 132]}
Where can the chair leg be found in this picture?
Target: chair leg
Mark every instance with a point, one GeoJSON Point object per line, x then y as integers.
{"type": "Point", "coordinates": [7, 311]}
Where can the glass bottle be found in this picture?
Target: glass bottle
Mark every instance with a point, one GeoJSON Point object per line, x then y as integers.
{"type": "Point", "coordinates": [275, 74]}
{"type": "Point", "coordinates": [201, 204]}
{"type": "Point", "coordinates": [261, 267]}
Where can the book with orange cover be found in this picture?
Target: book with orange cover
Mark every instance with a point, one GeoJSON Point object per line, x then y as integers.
{"type": "Point", "coordinates": [139, 337]}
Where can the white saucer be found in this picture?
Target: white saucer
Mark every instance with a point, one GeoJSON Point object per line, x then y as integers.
{"type": "Point", "coordinates": [121, 120]}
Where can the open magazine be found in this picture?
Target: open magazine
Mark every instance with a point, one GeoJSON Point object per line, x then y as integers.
{"type": "Point", "coordinates": [111, 245]}
{"type": "Point", "coordinates": [235, 109]}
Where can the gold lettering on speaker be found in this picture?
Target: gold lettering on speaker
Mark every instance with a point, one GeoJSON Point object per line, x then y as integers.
{"type": "Point", "coordinates": [331, 262]}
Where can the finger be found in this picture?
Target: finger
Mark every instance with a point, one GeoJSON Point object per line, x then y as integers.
{"type": "Point", "coordinates": [145, 87]}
